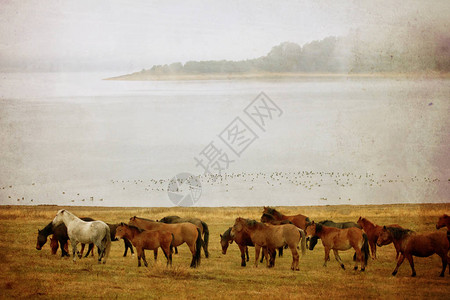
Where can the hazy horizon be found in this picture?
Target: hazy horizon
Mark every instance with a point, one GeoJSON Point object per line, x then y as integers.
{"type": "Point", "coordinates": [119, 36]}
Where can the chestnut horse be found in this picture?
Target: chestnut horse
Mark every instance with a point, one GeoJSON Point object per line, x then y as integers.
{"type": "Point", "coordinates": [146, 240]}
{"type": "Point", "coordinates": [183, 233]}
{"type": "Point", "coordinates": [414, 244]}
{"type": "Point", "coordinates": [341, 225]}
{"type": "Point", "coordinates": [197, 222]}
{"type": "Point", "coordinates": [271, 237]}
{"type": "Point", "coordinates": [373, 232]}
{"type": "Point", "coordinates": [341, 239]}
{"type": "Point", "coordinates": [298, 220]}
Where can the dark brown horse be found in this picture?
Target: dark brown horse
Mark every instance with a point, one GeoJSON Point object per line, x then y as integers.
{"type": "Point", "coordinates": [414, 244]}
{"type": "Point", "coordinates": [59, 233]}
{"type": "Point", "coordinates": [340, 240]}
{"type": "Point", "coordinates": [271, 237]}
{"type": "Point", "coordinates": [197, 222]}
{"type": "Point", "coordinates": [243, 241]}
{"type": "Point", "coordinates": [373, 231]}
{"type": "Point", "coordinates": [183, 233]}
{"type": "Point", "coordinates": [146, 240]}
{"type": "Point", "coordinates": [298, 220]}
{"type": "Point", "coordinates": [444, 220]}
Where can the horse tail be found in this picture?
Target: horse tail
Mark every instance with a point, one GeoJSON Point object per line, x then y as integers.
{"type": "Point", "coordinates": [303, 240]}
{"type": "Point", "coordinates": [108, 243]}
{"type": "Point", "coordinates": [365, 249]}
{"type": "Point", "coordinates": [205, 238]}
{"type": "Point", "coordinates": [198, 248]}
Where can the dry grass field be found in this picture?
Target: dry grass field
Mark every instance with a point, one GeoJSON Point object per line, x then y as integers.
{"type": "Point", "coordinates": [28, 273]}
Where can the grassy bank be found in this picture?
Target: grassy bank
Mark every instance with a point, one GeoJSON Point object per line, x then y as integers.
{"type": "Point", "coordinates": [27, 272]}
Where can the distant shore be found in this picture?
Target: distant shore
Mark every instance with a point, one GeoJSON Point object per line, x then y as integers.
{"type": "Point", "coordinates": [144, 76]}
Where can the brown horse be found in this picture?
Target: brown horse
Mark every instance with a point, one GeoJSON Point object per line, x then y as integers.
{"type": "Point", "coordinates": [197, 222]}
{"type": "Point", "coordinates": [271, 237]}
{"type": "Point", "coordinates": [183, 233]}
{"type": "Point", "coordinates": [444, 220]}
{"type": "Point", "coordinates": [373, 232]}
{"type": "Point", "coordinates": [341, 239]}
{"type": "Point", "coordinates": [146, 240]}
{"type": "Point", "coordinates": [414, 244]}
{"type": "Point", "coordinates": [242, 239]}
{"type": "Point", "coordinates": [298, 220]}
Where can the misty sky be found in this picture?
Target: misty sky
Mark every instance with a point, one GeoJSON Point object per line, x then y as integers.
{"type": "Point", "coordinates": [131, 35]}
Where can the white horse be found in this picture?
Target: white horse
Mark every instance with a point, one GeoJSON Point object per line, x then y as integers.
{"type": "Point", "coordinates": [79, 231]}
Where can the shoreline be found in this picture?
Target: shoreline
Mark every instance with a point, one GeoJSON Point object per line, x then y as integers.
{"type": "Point", "coordinates": [139, 76]}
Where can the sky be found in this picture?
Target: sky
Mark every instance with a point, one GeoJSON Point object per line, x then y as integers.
{"type": "Point", "coordinates": [131, 35]}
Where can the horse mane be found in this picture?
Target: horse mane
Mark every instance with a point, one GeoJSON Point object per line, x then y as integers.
{"type": "Point", "coordinates": [132, 227]}
{"type": "Point", "coordinates": [253, 223]}
{"type": "Point", "coordinates": [47, 229]}
{"type": "Point", "coordinates": [227, 234]}
{"type": "Point", "coordinates": [272, 211]}
{"type": "Point", "coordinates": [398, 233]}
{"type": "Point", "coordinates": [144, 219]}
{"type": "Point", "coordinates": [319, 227]}
{"type": "Point", "coordinates": [271, 217]}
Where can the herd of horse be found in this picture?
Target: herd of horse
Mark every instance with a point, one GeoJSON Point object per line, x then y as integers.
{"type": "Point", "coordinates": [276, 231]}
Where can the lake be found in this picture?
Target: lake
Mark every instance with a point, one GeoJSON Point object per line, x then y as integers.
{"type": "Point", "coordinates": [75, 139]}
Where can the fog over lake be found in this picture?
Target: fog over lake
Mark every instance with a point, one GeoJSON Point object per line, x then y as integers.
{"type": "Point", "coordinates": [75, 139]}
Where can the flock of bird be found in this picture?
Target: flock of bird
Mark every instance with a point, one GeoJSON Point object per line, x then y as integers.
{"type": "Point", "coordinates": [305, 180]}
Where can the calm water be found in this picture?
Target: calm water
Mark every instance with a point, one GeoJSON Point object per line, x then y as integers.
{"type": "Point", "coordinates": [76, 139]}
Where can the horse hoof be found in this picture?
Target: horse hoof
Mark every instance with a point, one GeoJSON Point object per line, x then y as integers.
{"type": "Point", "coordinates": [413, 275]}
{"type": "Point", "coordinates": [394, 273]}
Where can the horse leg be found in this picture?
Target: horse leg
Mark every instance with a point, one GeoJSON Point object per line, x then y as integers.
{"type": "Point", "coordinates": [176, 250]}
{"type": "Point", "coordinates": [399, 263]}
{"type": "Point", "coordinates": [248, 258]}
{"type": "Point", "coordinates": [327, 256]}
{"type": "Point", "coordinates": [155, 253]}
{"type": "Point", "coordinates": [90, 250]}
{"type": "Point", "coordinates": [143, 257]}
{"type": "Point", "coordinates": [295, 258]}
{"type": "Point", "coordinates": [194, 260]}
{"type": "Point", "coordinates": [74, 250]}
{"type": "Point", "coordinates": [444, 264]}
{"type": "Point", "coordinates": [257, 250]}
{"type": "Point", "coordinates": [339, 260]}
{"type": "Point", "coordinates": [243, 249]}
{"type": "Point", "coordinates": [139, 254]}
{"type": "Point", "coordinates": [373, 249]}
{"type": "Point", "coordinates": [411, 263]}
{"type": "Point", "coordinates": [359, 257]}
{"type": "Point", "coordinates": [80, 254]}
{"type": "Point", "coordinates": [62, 246]}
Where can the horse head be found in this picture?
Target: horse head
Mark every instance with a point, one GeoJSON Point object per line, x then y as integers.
{"type": "Point", "coordinates": [443, 221]}
{"type": "Point", "coordinates": [311, 229]}
{"type": "Point", "coordinates": [41, 240]}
